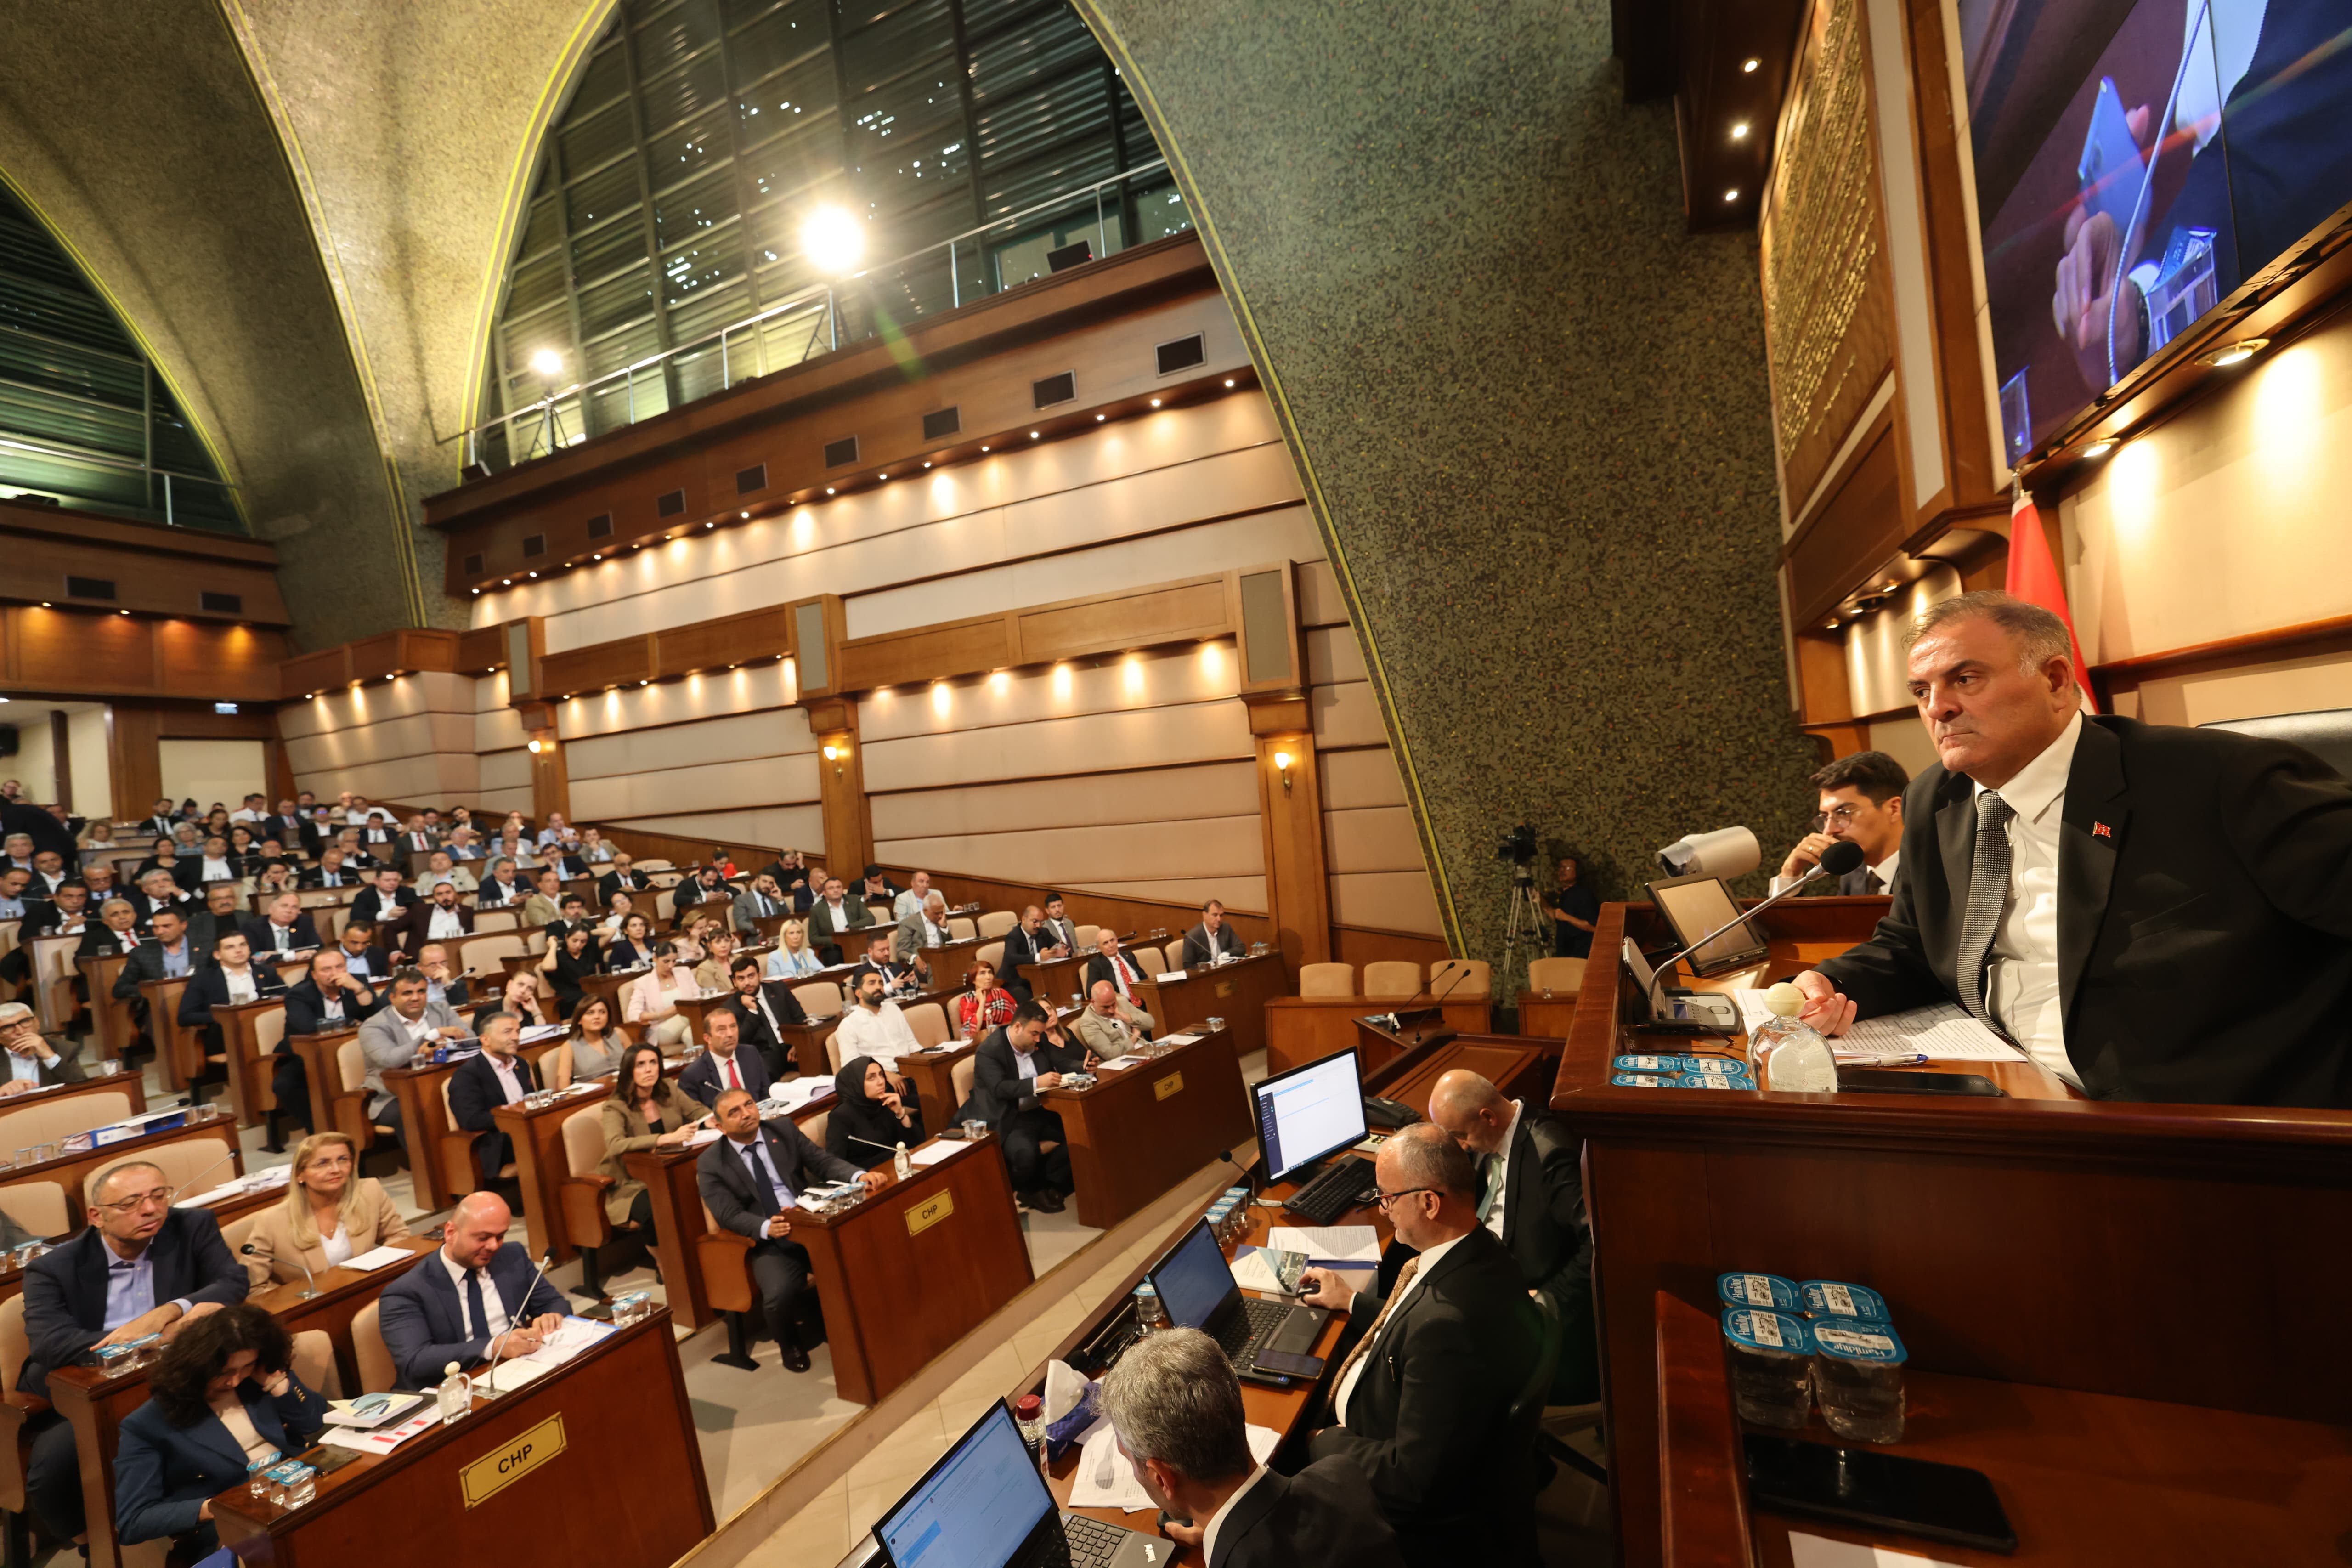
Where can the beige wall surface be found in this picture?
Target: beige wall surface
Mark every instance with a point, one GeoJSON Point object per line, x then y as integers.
{"type": "Point", "coordinates": [411, 739]}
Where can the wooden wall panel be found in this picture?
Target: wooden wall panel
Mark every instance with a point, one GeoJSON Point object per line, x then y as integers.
{"type": "Point", "coordinates": [1124, 621]}
{"type": "Point", "coordinates": [1855, 533]}
{"type": "Point", "coordinates": [723, 643]}
{"type": "Point", "coordinates": [482, 649]}
{"type": "Point", "coordinates": [928, 653]}
{"type": "Point", "coordinates": [59, 650]}
{"type": "Point", "coordinates": [305, 674]}
{"type": "Point", "coordinates": [155, 569]}
{"type": "Point", "coordinates": [134, 758]}
{"type": "Point", "coordinates": [592, 668]}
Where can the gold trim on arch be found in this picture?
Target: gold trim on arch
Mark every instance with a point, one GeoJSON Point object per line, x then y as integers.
{"type": "Point", "coordinates": [1108, 36]}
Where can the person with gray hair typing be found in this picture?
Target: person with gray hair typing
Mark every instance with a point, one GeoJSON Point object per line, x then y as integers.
{"type": "Point", "coordinates": [1175, 1410]}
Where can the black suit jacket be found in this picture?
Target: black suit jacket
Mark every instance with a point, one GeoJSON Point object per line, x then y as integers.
{"type": "Point", "coordinates": [44, 918]}
{"type": "Point", "coordinates": [369, 905]}
{"type": "Point", "coordinates": [610, 883]}
{"type": "Point", "coordinates": [725, 1179]}
{"type": "Point", "coordinates": [1426, 1423]}
{"type": "Point", "coordinates": [2204, 916]}
{"type": "Point", "coordinates": [147, 906]}
{"type": "Point", "coordinates": [65, 1290]}
{"type": "Point", "coordinates": [424, 1319]}
{"type": "Point", "coordinates": [208, 989]}
{"type": "Point", "coordinates": [256, 931]}
{"type": "Point", "coordinates": [702, 1080]}
{"type": "Point", "coordinates": [103, 942]}
{"type": "Point", "coordinates": [1544, 1225]}
{"type": "Point", "coordinates": [998, 1090]}
{"type": "Point", "coordinates": [1199, 947]}
{"type": "Point", "coordinates": [408, 930]}
{"type": "Point", "coordinates": [305, 1011]}
{"type": "Point", "coordinates": [1019, 948]}
{"type": "Point", "coordinates": [1099, 969]}
{"type": "Point", "coordinates": [315, 877]}
{"type": "Point", "coordinates": [474, 1095]}
{"type": "Point", "coordinates": [751, 1026]}
{"type": "Point", "coordinates": [1323, 1514]}
{"type": "Point", "coordinates": [46, 831]}
{"type": "Point", "coordinates": [493, 895]}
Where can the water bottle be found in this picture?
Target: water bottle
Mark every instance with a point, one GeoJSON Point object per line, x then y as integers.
{"type": "Point", "coordinates": [457, 1394]}
{"type": "Point", "coordinates": [903, 1163]}
{"type": "Point", "coordinates": [1788, 1054]}
{"type": "Point", "coordinates": [1150, 1316]}
{"type": "Point", "coordinates": [1029, 1420]}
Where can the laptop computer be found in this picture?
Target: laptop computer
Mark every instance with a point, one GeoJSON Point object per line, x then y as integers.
{"type": "Point", "coordinates": [985, 1505]}
{"type": "Point", "coordinates": [1198, 1287]}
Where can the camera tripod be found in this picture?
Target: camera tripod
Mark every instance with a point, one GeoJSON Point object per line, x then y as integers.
{"type": "Point", "coordinates": [1524, 920]}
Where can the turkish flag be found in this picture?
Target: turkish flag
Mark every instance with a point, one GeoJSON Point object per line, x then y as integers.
{"type": "Point", "coordinates": [2033, 577]}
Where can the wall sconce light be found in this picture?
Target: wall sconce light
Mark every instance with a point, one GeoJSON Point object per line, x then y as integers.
{"type": "Point", "coordinates": [535, 748]}
{"type": "Point", "coordinates": [1282, 766]}
{"type": "Point", "coordinates": [835, 752]}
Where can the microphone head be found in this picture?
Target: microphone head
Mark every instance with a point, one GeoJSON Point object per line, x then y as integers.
{"type": "Point", "coordinates": [1842, 856]}
{"type": "Point", "coordinates": [247, 1249]}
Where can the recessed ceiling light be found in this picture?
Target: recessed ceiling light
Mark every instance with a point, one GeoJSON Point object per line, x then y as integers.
{"type": "Point", "coordinates": [2238, 353]}
{"type": "Point", "coordinates": [1749, 63]}
{"type": "Point", "coordinates": [1739, 132]}
{"type": "Point", "coordinates": [828, 490]}
{"type": "Point", "coordinates": [1034, 434]}
{"type": "Point", "coordinates": [927, 465]}
{"type": "Point", "coordinates": [1100, 417]}
{"type": "Point", "coordinates": [1229, 381]}
{"type": "Point", "coordinates": [745, 515]}
{"type": "Point", "coordinates": [1155, 402]}
{"type": "Point", "coordinates": [507, 584]}
{"type": "Point", "coordinates": [886, 476]}
{"type": "Point", "coordinates": [2099, 449]}
{"type": "Point", "coordinates": [983, 448]}
{"type": "Point", "coordinates": [1732, 194]}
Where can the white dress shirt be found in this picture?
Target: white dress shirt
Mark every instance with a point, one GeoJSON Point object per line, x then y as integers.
{"type": "Point", "coordinates": [509, 1081]}
{"type": "Point", "coordinates": [216, 871]}
{"type": "Point", "coordinates": [493, 1307]}
{"type": "Point", "coordinates": [338, 1247]}
{"type": "Point", "coordinates": [1503, 1171]}
{"type": "Point", "coordinates": [2023, 993]}
{"type": "Point", "coordinates": [1429, 1260]}
{"type": "Point", "coordinates": [444, 925]}
{"type": "Point", "coordinates": [1209, 1535]}
{"type": "Point", "coordinates": [882, 1033]}
{"type": "Point", "coordinates": [241, 984]}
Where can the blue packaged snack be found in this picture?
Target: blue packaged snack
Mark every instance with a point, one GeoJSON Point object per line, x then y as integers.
{"type": "Point", "coordinates": [1756, 1291]}
{"type": "Point", "coordinates": [1834, 1298]}
{"type": "Point", "coordinates": [1755, 1329]}
{"type": "Point", "coordinates": [1645, 1081]}
{"type": "Point", "coordinates": [1723, 1067]}
{"type": "Point", "coordinates": [1873, 1342]}
{"type": "Point", "coordinates": [1648, 1064]}
{"type": "Point", "coordinates": [1714, 1081]}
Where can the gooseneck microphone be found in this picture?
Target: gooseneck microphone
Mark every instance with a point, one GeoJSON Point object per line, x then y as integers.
{"type": "Point", "coordinates": [310, 1280]}
{"type": "Point", "coordinates": [490, 1385]}
{"type": "Point", "coordinates": [1839, 858]}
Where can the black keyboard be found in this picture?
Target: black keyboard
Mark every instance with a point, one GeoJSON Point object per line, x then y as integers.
{"type": "Point", "coordinates": [1333, 1193]}
{"type": "Point", "coordinates": [1093, 1543]}
{"type": "Point", "coordinates": [1246, 1332]}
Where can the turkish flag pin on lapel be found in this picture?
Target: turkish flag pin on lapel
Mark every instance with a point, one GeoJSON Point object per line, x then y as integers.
{"type": "Point", "coordinates": [2100, 830]}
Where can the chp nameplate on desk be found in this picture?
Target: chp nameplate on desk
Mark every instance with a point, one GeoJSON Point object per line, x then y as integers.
{"type": "Point", "coordinates": [929, 1212]}
{"type": "Point", "coordinates": [1172, 1084]}
{"type": "Point", "coordinates": [493, 1473]}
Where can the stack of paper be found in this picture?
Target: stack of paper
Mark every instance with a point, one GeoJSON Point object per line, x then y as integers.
{"type": "Point", "coordinates": [794, 1093]}
{"type": "Point", "coordinates": [933, 1152]}
{"type": "Point", "coordinates": [383, 1439]}
{"type": "Point", "coordinates": [539, 1032]}
{"type": "Point", "coordinates": [1329, 1246]}
{"type": "Point", "coordinates": [1940, 1032]}
{"type": "Point", "coordinates": [709, 1135]}
{"type": "Point", "coordinates": [1105, 1478]}
{"type": "Point", "coordinates": [380, 1257]}
{"type": "Point", "coordinates": [394, 1408]}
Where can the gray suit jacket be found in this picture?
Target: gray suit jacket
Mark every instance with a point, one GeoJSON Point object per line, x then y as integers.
{"type": "Point", "coordinates": [383, 1040]}
{"type": "Point", "coordinates": [910, 938]}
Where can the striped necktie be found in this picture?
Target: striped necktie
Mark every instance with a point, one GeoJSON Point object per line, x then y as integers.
{"type": "Point", "coordinates": [1988, 895]}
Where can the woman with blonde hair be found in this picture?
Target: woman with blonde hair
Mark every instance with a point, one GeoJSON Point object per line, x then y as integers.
{"type": "Point", "coordinates": [793, 958]}
{"type": "Point", "coordinates": [331, 1213]}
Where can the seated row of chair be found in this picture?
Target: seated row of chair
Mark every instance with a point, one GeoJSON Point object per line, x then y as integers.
{"type": "Point", "coordinates": [1466, 979]}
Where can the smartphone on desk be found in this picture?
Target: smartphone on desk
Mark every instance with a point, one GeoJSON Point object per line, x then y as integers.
{"type": "Point", "coordinates": [1873, 1490]}
{"type": "Point", "coordinates": [1896, 1080]}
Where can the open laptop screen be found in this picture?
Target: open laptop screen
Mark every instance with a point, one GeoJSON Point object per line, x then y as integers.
{"type": "Point", "coordinates": [1307, 1113]}
{"type": "Point", "coordinates": [976, 1507]}
{"type": "Point", "coordinates": [1194, 1280]}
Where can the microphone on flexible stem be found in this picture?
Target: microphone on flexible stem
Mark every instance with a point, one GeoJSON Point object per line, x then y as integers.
{"type": "Point", "coordinates": [200, 1175]}
{"type": "Point", "coordinates": [489, 1388]}
{"type": "Point", "coordinates": [1839, 858]}
{"type": "Point", "coordinates": [1439, 1000]}
{"type": "Point", "coordinates": [311, 1281]}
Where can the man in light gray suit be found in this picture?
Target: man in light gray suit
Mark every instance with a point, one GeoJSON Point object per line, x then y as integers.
{"type": "Point", "coordinates": [762, 900]}
{"type": "Point", "coordinates": [921, 929]}
{"type": "Point", "coordinates": [394, 1036]}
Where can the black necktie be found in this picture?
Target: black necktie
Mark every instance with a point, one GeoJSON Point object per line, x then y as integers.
{"type": "Point", "coordinates": [475, 1305]}
{"type": "Point", "coordinates": [763, 1190]}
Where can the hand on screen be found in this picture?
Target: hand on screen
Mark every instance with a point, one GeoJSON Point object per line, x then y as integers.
{"type": "Point", "coordinates": [2080, 305]}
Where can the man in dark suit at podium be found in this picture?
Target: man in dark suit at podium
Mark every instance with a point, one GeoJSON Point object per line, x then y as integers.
{"type": "Point", "coordinates": [1176, 1409]}
{"type": "Point", "coordinates": [2152, 913]}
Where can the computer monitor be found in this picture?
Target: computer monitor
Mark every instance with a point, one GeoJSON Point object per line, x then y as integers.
{"type": "Point", "coordinates": [1308, 1112]}
{"type": "Point", "coordinates": [1194, 1280]}
{"type": "Point", "coordinates": [1695, 906]}
{"type": "Point", "coordinates": [975, 1509]}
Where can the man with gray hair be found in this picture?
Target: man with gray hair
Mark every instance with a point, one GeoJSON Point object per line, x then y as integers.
{"type": "Point", "coordinates": [1422, 1402]}
{"type": "Point", "coordinates": [2152, 913]}
{"type": "Point", "coordinates": [1175, 1410]}
{"type": "Point", "coordinates": [34, 1060]}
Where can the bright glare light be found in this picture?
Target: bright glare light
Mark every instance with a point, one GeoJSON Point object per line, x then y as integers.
{"type": "Point", "coordinates": [547, 363]}
{"type": "Point", "coordinates": [1739, 132]}
{"type": "Point", "coordinates": [1749, 65]}
{"type": "Point", "coordinates": [1282, 761]}
{"type": "Point", "coordinates": [833, 239]}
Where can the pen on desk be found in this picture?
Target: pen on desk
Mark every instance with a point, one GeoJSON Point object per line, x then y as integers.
{"type": "Point", "coordinates": [1906, 1059]}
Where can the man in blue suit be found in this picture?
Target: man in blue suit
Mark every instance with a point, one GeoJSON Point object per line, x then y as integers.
{"type": "Point", "coordinates": [723, 1066]}
{"type": "Point", "coordinates": [141, 1267]}
{"type": "Point", "coordinates": [483, 1083]}
{"type": "Point", "coordinates": [475, 1299]}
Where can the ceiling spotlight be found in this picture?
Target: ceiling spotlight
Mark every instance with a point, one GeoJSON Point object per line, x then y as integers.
{"type": "Point", "coordinates": [548, 363]}
{"type": "Point", "coordinates": [828, 490]}
{"type": "Point", "coordinates": [2100, 448]}
{"type": "Point", "coordinates": [1034, 435]}
{"type": "Point", "coordinates": [122, 612]}
{"type": "Point", "coordinates": [927, 465]}
{"type": "Point", "coordinates": [1100, 417]}
{"type": "Point", "coordinates": [833, 239]}
{"type": "Point", "coordinates": [2238, 353]}
{"type": "Point", "coordinates": [884, 475]}
{"type": "Point", "coordinates": [1739, 132]}
{"type": "Point", "coordinates": [1833, 625]}
{"type": "Point", "coordinates": [1732, 194]}
{"type": "Point", "coordinates": [746, 516]}
{"type": "Point", "coordinates": [645, 683]}
{"type": "Point", "coordinates": [592, 558]}
{"type": "Point", "coordinates": [1749, 63]}
{"type": "Point", "coordinates": [507, 584]}
{"type": "Point", "coordinates": [533, 574]}
{"type": "Point", "coordinates": [1229, 381]}
{"type": "Point", "coordinates": [533, 748]}
{"type": "Point", "coordinates": [983, 448]}
{"type": "Point", "coordinates": [714, 523]}
{"type": "Point", "coordinates": [45, 604]}
{"type": "Point", "coordinates": [1155, 402]}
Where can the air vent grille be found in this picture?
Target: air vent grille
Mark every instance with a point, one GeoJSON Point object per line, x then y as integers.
{"type": "Point", "coordinates": [749, 479]}
{"type": "Point", "coordinates": [672, 504]}
{"type": "Point", "coordinates": [475, 564]}
{"type": "Point", "coordinates": [942, 423]}
{"type": "Point", "coordinates": [534, 544]}
{"type": "Point", "coordinates": [1053, 389]}
{"type": "Point", "coordinates": [223, 604]}
{"type": "Point", "coordinates": [841, 453]}
{"type": "Point", "coordinates": [90, 587]}
{"type": "Point", "coordinates": [600, 526]}
{"type": "Point", "coordinates": [1183, 353]}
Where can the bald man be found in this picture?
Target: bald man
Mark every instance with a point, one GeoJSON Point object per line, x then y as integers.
{"type": "Point", "coordinates": [474, 1299]}
{"type": "Point", "coordinates": [1531, 1197]}
{"type": "Point", "coordinates": [1111, 1025]}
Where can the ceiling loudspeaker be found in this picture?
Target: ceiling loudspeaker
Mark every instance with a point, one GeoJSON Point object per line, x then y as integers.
{"type": "Point", "coordinates": [749, 479]}
{"type": "Point", "coordinates": [942, 423]}
{"type": "Point", "coordinates": [1053, 389]}
{"type": "Point", "coordinates": [599, 526]}
{"type": "Point", "coordinates": [1183, 353]}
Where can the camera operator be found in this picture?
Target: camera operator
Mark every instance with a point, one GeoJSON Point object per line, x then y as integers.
{"type": "Point", "coordinates": [1574, 910]}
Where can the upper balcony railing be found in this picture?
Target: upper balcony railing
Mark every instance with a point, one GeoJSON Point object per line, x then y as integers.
{"type": "Point", "coordinates": [974, 265]}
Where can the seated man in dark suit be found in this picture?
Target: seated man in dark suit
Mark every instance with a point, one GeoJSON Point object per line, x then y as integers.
{"type": "Point", "coordinates": [168, 955]}
{"type": "Point", "coordinates": [384, 903]}
{"type": "Point", "coordinates": [2151, 914]}
{"type": "Point", "coordinates": [725, 1063]}
{"type": "Point", "coordinates": [1213, 940]}
{"type": "Point", "coordinates": [792, 875]}
{"type": "Point", "coordinates": [1009, 1070]}
{"type": "Point", "coordinates": [158, 824]}
{"type": "Point", "coordinates": [898, 980]}
{"type": "Point", "coordinates": [217, 918]}
{"type": "Point", "coordinates": [481, 1084]}
{"type": "Point", "coordinates": [502, 887]}
{"type": "Point", "coordinates": [157, 890]}
{"type": "Point", "coordinates": [1113, 964]}
{"type": "Point", "coordinates": [1175, 1409]}
{"type": "Point", "coordinates": [1531, 1195]}
{"type": "Point", "coordinates": [623, 877]}
{"type": "Point", "coordinates": [33, 1059]}
{"type": "Point", "coordinates": [361, 954]}
{"type": "Point", "coordinates": [64, 913]}
{"type": "Point", "coordinates": [475, 1299]}
{"type": "Point", "coordinates": [749, 1180]}
{"type": "Point", "coordinates": [440, 918]}
{"type": "Point", "coordinates": [231, 977]}
{"type": "Point", "coordinates": [330, 871]}
{"type": "Point", "coordinates": [284, 931]}
{"type": "Point", "coordinates": [115, 931]}
{"type": "Point", "coordinates": [761, 1008]}
{"type": "Point", "coordinates": [831, 920]}
{"type": "Point", "coordinates": [139, 1268]}
{"type": "Point", "coordinates": [1024, 943]}
{"type": "Point", "coordinates": [1420, 1402]}
{"type": "Point", "coordinates": [330, 997]}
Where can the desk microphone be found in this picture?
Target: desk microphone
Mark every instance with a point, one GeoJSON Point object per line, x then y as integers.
{"type": "Point", "coordinates": [310, 1280]}
{"type": "Point", "coordinates": [200, 1175]}
{"type": "Point", "coordinates": [490, 1389]}
{"type": "Point", "coordinates": [1439, 1000]}
{"type": "Point", "coordinates": [1836, 860]}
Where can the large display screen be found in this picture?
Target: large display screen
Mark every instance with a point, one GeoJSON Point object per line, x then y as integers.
{"type": "Point", "coordinates": [2137, 161]}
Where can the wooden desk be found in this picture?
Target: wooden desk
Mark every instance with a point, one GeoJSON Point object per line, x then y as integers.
{"type": "Point", "coordinates": [932, 1076]}
{"type": "Point", "coordinates": [1957, 1211]}
{"type": "Point", "coordinates": [249, 1067]}
{"type": "Point", "coordinates": [549, 1448]}
{"type": "Point", "coordinates": [1546, 1014]}
{"type": "Point", "coordinates": [1141, 1129]}
{"type": "Point", "coordinates": [53, 997]}
{"type": "Point", "coordinates": [540, 1167]}
{"type": "Point", "coordinates": [1237, 993]}
{"type": "Point", "coordinates": [322, 1075]}
{"type": "Point", "coordinates": [424, 1122]}
{"type": "Point", "coordinates": [179, 1052]}
{"type": "Point", "coordinates": [1302, 1029]}
{"type": "Point", "coordinates": [669, 1178]}
{"type": "Point", "coordinates": [127, 1084]}
{"type": "Point", "coordinates": [96, 1403]}
{"type": "Point", "coordinates": [70, 1169]}
{"type": "Point", "coordinates": [111, 1017]}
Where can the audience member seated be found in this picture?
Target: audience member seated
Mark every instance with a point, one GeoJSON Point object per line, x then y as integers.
{"type": "Point", "coordinates": [873, 1026]}
{"type": "Point", "coordinates": [475, 1299]}
{"type": "Point", "coordinates": [384, 901]}
{"type": "Point", "coordinates": [276, 877]}
{"type": "Point", "coordinates": [1175, 1410]}
{"type": "Point", "coordinates": [1213, 940]}
{"type": "Point", "coordinates": [897, 979]}
{"type": "Point", "coordinates": [396, 1035]}
{"type": "Point", "coordinates": [65, 913]}
{"type": "Point", "coordinates": [1024, 943]}
{"type": "Point", "coordinates": [646, 1110]}
{"type": "Point", "coordinates": [159, 822]}
{"type": "Point", "coordinates": [217, 918]}
{"type": "Point", "coordinates": [440, 984]}
{"type": "Point", "coordinates": [594, 1045]}
{"type": "Point", "coordinates": [16, 853]}
{"type": "Point", "coordinates": [650, 1001]}
{"type": "Point", "coordinates": [718, 958]}
{"type": "Point", "coordinates": [545, 905]}
{"type": "Point", "coordinates": [572, 910]}
{"type": "Point", "coordinates": [330, 997]}
{"type": "Point", "coordinates": [415, 838]}
{"type": "Point", "coordinates": [465, 844]}
{"type": "Point", "coordinates": [750, 1180]}
{"type": "Point", "coordinates": [878, 888]}
{"type": "Point", "coordinates": [633, 948]}
{"type": "Point", "coordinates": [794, 958]}
{"type": "Point", "coordinates": [361, 954]}
{"type": "Point", "coordinates": [502, 887]}
{"type": "Point", "coordinates": [687, 946]}
{"type": "Point", "coordinates": [1111, 963]}
{"type": "Point", "coordinates": [223, 1400]}
{"type": "Point", "coordinates": [917, 894]}
{"type": "Point", "coordinates": [1421, 1402]}
{"type": "Point", "coordinates": [209, 864]}
{"type": "Point", "coordinates": [1110, 1027]}
{"type": "Point", "coordinates": [762, 1009]}
{"type": "Point", "coordinates": [593, 850]}
{"type": "Point", "coordinates": [157, 890]}
{"type": "Point", "coordinates": [1060, 932]}
{"type": "Point", "coordinates": [441, 918]}
{"type": "Point", "coordinates": [1012, 1067]}
{"type": "Point", "coordinates": [984, 1005]}
{"type": "Point", "coordinates": [568, 962]}
{"type": "Point", "coordinates": [330, 871]}
{"type": "Point", "coordinates": [872, 1114]}
{"type": "Point", "coordinates": [330, 1215]}
{"type": "Point", "coordinates": [706, 886]}
{"type": "Point", "coordinates": [483, 1083]}
{"type": "Point", "coordinates": [519, 995]}
{"type": "Point", "coordinates": [231, 977]}
{"type": "Point", "coordinates": [1861, 798]}
{"type": "Point", "coordinates": [623, 877]}
{"type": "Point", "coordinates": [285, 931]}
{"type": "Point", "coordinates": [764, 899]}
{"type": "Point", "coordinates": [167, 955]}
{"type": "Point", "coordinates": [439, 869]}
{"type": "Point", "coordinates": [141, 1266]}
{"type": "Point", "coordinates": [113, 934]}
{"type": "Point", "coordinates": [13, 902]}
{"type": "Point", "coordinates": [833, 917]}
{"type": "Point", "coordinates": [34, 1060]}
{"type": "Point", "coordinates": [724, 1064]}
{"type": "Point", "coordinates": [792, 874]}
{"type": "Point", "coordinates": [921, 931]}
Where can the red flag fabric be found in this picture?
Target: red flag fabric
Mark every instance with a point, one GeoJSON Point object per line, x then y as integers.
{"type": "Point", "coordinates": [2033, 577]}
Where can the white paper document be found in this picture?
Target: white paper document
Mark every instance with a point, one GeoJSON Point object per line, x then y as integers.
{"type": "Point", "coordinates": [933, 1152]}
{"type": "Point", "coordinates": [539, 1032]}
{"type": "Point", "coordinates": [1104, 1477]}
{"type": "Point", "coordinates": [1329, 1246]}
{"type": "Point", "coordinates": [261, 1182]}
{"type": "Point", "coordinates": [380, 1257]}
{"type": "Point", "coordinates": [1120, 1064]}
{"type": "Point", "coordinates": [1819, 1551]}
{"type": "Point", "coordinates": [709, 1135]}
{"type": "Point", "coordinates": [1185, 1038]}
{"type": "Point", "coordinates": [796, 1092]}
{"type": "Point", "coordinates": [383, 1439]}
{"type": "Point", "coordinates": [1941, 1032]}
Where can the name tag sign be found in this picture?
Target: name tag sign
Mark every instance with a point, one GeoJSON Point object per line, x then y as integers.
{"type": "Point", "coordinates": [493, 1473]}
{"type": "Point", "coordinates": [1227, 987]}
{"type": "Point", "coordinates": [1172, 1084]}
{"type": "Point", "coordinates": [929, 1212]}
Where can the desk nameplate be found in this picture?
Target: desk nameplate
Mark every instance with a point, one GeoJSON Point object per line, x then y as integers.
{"type": "Point", "coordinates": [1172, 1084]}
{"type": "Point", "coordinates": [922, 1216]}
{"type": "Point", "coordinates": [493, 1473]}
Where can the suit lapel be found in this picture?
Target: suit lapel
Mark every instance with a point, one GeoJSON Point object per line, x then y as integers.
{"type": "Point", "coordinates": [1248, 1510]}
{"type": "Point", "coordinates": [2091, 831]}
{"type": "Point", "coordinates": [1955, 844]}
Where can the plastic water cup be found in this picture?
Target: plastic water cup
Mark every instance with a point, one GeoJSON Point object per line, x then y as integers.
{"type": "Point", "coordinates": [1216, 1023]}
{"type": "Point", "coordinates": [302, 1491]}
{"type": "Point", "coordinates": [1858, 1375]}
{"type": "Point", "coordinates": [1771, 1366]}
{"type": "Point", "coordinates": [257, 1477]}
{"type": "Point", "coordinates": [109, 1070]}
{"type": "Point", "coordinates": [975, 1131]}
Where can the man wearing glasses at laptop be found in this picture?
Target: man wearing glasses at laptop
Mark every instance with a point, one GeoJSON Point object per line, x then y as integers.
{"type": "Point", "coordinates": [1861, 799]}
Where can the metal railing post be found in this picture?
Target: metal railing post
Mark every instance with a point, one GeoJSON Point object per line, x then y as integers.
{"type": "Point", "coordinates": [168, 519]}
{"type": "Point", "coordinates": [725, 381]}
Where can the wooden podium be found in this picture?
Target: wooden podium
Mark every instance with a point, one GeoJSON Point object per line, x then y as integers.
{"type": "Point", "coordinates": [2121, 1312]}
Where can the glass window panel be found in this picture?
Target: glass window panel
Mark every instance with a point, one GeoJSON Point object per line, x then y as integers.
{"type": "Point", "coordinates": [794, 162]}
{"type": "Point", "coordinates": [602, 252]}
{"type": "Point", "coordinates": [882, 50]}
{"type": "Point", "coordinates": [705, 266]}
{"type": "Point", "coordinates": [663, 42]}
{"type": "Point", "coordinates": [604, 194]}
{"type": "Point", "coordinates": [606, 78]}
{"type": "Point", "coordinates": [947, 213]}
{"type": "Point", "coordinates": [1023, 185]}
{"type": "Point", "coordinates": [984, 17]}
{"type": "Point", "coordinates": [699, 204]}
{"type": "Point", "coordinates": [1047, 44]}
{"type": "Point", "coordinates": [598, 140]}
{"type": "Point", "coordinates": [706, 313]}
{"type": "Point", "coordinates": [688, 150]}
{"type": "Point", "coordinates": [788, 100]}
{"type": "Point", "coordinates": [1023, 259]}
{"type": "Point", "coordinates": [625, 347]}
{"type": "Point", "coordinates": [909, 139]}
{"type": "Point", "coordinates": [544, 229]}
{"type": "Point", "coordinates": [789, 337]}
{"type": "Point", "coordinates": [683, 94]}
{"type": "Point", "coordinates": [26, 411]}
{"type": "Point", "coordinates": [1078, 107]}
{"type": "Point", "coordinates": [519, 338]}
{"type": "Point", "coordinates": [1159, 213]}
{"type": "Point", "coordinates": [619, 300]}
{"type": "Point", "coordinates": [57, 367]}
{"type": "Point", "coordinates": [640, 398]}
{"type": "Point", "coordinates": [536, 284]}
{"type": "Point", "coordinates": [735, 13]}
{"type": "Point", "coordinates": [698, 374]}
{"type": "Point", "coordinates": [787, 33]}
